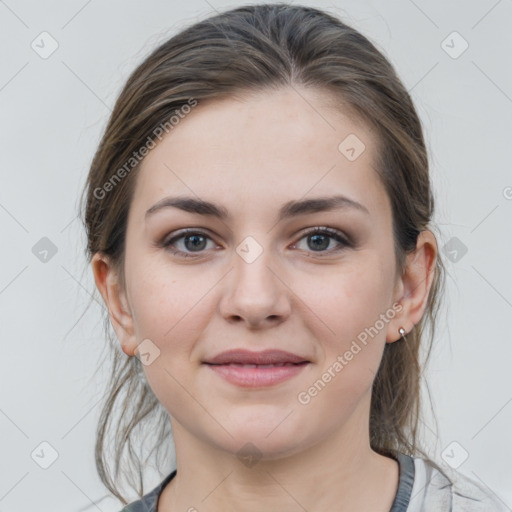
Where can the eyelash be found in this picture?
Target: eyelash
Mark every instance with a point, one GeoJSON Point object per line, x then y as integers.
{"type": "Point", "coordinates": [331, 233]}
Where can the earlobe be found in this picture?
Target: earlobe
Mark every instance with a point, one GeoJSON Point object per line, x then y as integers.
{"type": "Point", "coordinates": [108, 283]}
{"type": "Point", "coordinates": [415, 285]}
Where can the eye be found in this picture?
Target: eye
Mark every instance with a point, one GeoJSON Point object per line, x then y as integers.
{"type": "Point", "coordinates": [320, 238]}
{"type": "Point", "coordinates": [193, 241]}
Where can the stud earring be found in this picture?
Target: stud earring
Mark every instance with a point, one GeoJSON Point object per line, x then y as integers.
{"type": "Point", "coordinates": [402, 332]}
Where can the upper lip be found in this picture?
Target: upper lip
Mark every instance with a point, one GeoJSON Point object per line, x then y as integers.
{"type": "Point", "coordinates": [242, 356]}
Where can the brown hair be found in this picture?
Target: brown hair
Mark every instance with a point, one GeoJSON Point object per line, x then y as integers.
{"type": "Point", "coordinates": [253, 48]}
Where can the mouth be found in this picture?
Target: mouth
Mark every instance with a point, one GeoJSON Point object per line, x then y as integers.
{"type": "Point", "coordinates": [256, 369]}
{"type": "Point", "coordinates": [262, 358]}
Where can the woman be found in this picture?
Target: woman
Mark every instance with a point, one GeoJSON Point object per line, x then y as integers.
{"type": "Point", "coordinates": [259, 220]}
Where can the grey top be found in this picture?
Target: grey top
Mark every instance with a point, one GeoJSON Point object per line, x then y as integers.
{"type": "Point", "coordinates": [445, 489]}
{"type": "Point", "coordinates": [422, 488]}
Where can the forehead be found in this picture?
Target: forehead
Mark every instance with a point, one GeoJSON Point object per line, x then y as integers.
{"type": "Point", "coordinates": [269, 146]}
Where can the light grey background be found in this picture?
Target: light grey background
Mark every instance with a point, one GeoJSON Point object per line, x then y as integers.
{"type": "Point", "coordinates": [52, 113]}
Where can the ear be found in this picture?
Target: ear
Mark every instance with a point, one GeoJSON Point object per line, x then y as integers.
{"type": "Point", "coordinates": [109, 285]}
{"type": "Point", "coordinates": [413, 287]}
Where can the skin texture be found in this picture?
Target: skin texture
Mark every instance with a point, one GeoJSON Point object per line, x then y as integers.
{"type": "Point", "coordinates": [251, 155]}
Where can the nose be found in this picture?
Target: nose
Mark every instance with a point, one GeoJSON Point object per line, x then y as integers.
{"type": "Point", "coordinates": [256, 293]}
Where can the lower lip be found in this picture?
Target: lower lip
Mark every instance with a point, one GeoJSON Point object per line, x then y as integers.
{"type": "Point", "coordinates": [257, 377]}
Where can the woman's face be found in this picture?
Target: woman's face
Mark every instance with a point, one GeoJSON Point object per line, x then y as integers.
{"type": "Point", "coordinates": [258, 279]}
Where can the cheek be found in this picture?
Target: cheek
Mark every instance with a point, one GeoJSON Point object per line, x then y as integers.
{"type": "Point", "coordinates": [166, 302]}
{"type": "Point", "coordinates": [349, 301]}
{"type": "Point", "coordinates": [172, 310]}
{"type": "Point", "coordinates": [348, 321]}
{"type": "Point", "coordinates": [351, 352]}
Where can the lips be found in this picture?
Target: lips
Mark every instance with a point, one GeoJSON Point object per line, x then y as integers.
{"type": "Point", "coordinates": [270, 358]}
{"type": "Point", "coordinates": [256, 369]}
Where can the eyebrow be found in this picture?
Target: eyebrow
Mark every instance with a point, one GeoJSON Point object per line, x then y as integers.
{"type": "Point", "coordinates": [287, 211]}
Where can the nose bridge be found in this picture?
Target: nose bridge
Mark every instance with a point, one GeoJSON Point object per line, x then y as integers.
{"type": "Point", "coordinates": [255, 291]}
{"type": "Point", "coordinates": [253, 261]}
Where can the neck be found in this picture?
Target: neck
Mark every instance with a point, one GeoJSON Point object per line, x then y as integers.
{"type": "Point", "coordinates": [341, 472]}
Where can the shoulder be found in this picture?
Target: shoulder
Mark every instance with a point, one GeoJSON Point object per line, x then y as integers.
{"type": "Point", "coordinates": [148, 502]}
{"type": "Point", "coordinates": [444, 489]}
